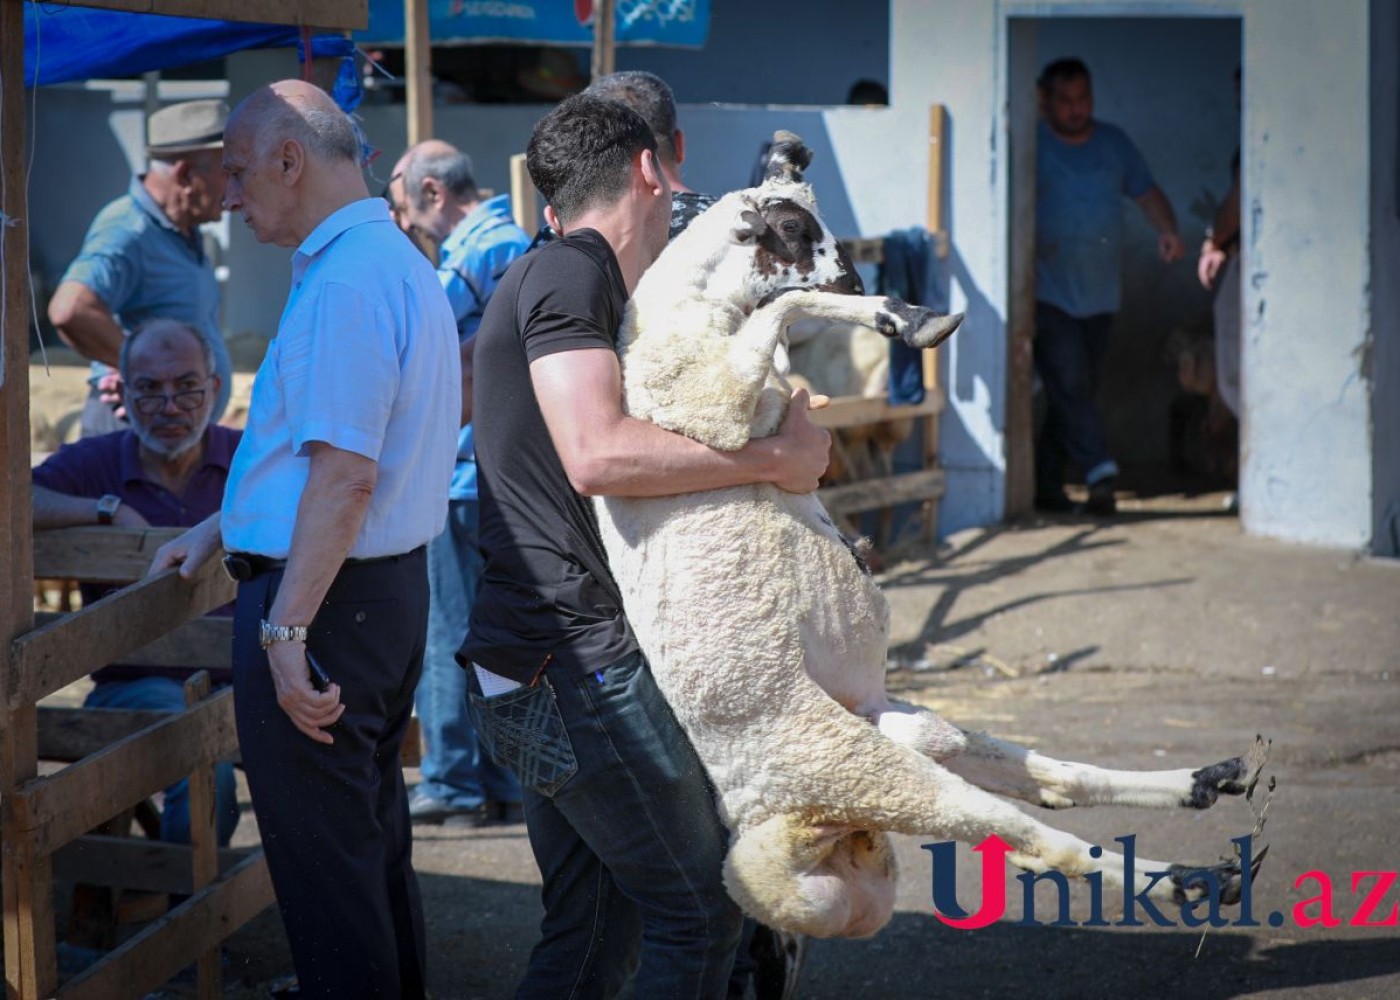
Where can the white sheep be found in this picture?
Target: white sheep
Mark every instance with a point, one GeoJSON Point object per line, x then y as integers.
{"type": "Point", "coordinates": [764, 630]}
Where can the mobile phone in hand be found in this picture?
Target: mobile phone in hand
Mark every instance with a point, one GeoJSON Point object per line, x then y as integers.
{"type": "Point", "coordinates": [320, 680]}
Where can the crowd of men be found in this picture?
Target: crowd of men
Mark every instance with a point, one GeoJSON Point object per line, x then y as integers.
{"type": "Point", "coordinates": [408, 513]}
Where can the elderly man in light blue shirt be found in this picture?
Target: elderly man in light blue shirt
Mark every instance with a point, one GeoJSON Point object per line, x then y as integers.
{"type": "Point", "coordinates": [432, 193]}
{"type": "Point", "coordinates": [143, 257]}
{"type": "Point", "coordinates": [337, 487]}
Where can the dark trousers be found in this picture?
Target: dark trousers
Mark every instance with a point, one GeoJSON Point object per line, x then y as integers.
{"type": "Point", "coordinates": [334, 819]}
{"type": "Point", "coordinates": [1069, 355]}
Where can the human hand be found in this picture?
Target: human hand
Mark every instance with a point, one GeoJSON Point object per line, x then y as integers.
{"type": "Point", "coordinates": [1170, 247]}
{"type": "Point", "coordinates": [109, 391]}
{"type": "Point", "coordinates": [311, 711]}
{"type": "Point", "coordinates": [803, 449]}
{"type": "Point", "coordinates": [1212, 259]}
{"type": "Point", "coordinates": [189, 551]}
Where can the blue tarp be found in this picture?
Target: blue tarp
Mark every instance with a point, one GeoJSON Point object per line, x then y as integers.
{"type": "Point", "coordinates": [65, 43]}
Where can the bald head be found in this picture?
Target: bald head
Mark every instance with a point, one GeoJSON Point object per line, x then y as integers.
{"type": "Point", "coordinates": [300, 111]}
{"type": "Point", "coordinates": [432, 189]}
{"type": "Point", "coordinates": [292, 158]}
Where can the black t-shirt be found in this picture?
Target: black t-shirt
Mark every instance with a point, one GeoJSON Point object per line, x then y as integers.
{"type": "Point", "coordinates": [546, 592]}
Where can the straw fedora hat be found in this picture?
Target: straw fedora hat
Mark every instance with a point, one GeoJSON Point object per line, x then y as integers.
{"type": "Point", "coordinates": [186, 127]}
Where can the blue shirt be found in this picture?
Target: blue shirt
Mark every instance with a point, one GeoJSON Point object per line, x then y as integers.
{"type": "Point", "coordinates": [142, 267]}
{"type": "Point", "coordinates": [1079, 217]}
{"type": "Point", "coordinates": [365, 360]}
{"type": "Point", "coordinates": [471, 262]}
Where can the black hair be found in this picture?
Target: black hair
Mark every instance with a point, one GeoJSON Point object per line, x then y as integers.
{"type": "Point", "coordinates": [580, 154]}
{"type": "Point", "coordinates": [649, 96]}
{"type": "Point", "coordinates": [1061, 71]}
{"type": "Point", "coordinates": [867, 91]}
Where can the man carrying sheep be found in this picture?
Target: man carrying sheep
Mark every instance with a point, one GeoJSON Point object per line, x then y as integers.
{"type": "Point", "coordinates": [620, 816]}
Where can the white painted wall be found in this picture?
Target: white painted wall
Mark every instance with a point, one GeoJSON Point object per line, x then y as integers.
{"type": "Point", "coordinates": [1306, 438]}
{"type": "Point", "coordinates": [1384, 359]}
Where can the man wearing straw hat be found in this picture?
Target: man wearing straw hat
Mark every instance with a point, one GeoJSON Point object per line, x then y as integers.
{"type": "Point", "coordinates": [143, 257]}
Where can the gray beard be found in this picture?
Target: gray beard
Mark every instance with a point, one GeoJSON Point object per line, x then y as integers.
{"type": "Point", "coordinates": [153, 443]}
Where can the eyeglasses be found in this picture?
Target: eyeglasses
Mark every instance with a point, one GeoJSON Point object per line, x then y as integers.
{"type": "Point", "coordinates": [186, 400]}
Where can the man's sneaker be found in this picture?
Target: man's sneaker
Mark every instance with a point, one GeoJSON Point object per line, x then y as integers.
{"type": "Point", "coordinates": [1101, 502]}
{"type": "Point", "coordinates": [424, 808]}
{"type": "Point", "coordinates": [495, 813]}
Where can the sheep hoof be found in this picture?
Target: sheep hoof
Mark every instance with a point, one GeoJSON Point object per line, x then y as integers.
{"type": "Point", "coordinates": [1193, 883]}
{"type": "Point", "coordinates": [1236, 776]}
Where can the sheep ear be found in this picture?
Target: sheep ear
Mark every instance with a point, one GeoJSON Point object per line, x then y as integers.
{"type": "Point", "coordinates": [749, 227]}
{"type": "Point", "coordinates": [788, 159]}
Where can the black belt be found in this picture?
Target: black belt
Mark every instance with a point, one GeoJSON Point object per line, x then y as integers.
{"type": "Point", "coordinates": [244, 566]}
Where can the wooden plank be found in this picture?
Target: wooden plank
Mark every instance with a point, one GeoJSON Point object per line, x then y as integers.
{"type": "Point", "coordinates": [201, 643]}
{"type": "Point", "coordinates": [524, 201]}
{"type": "Point", "coordinates": [26, 889]}
{"type": "Point", "coordinates": [864, 249]}
{"type": "Point", "coordinates": [887, 491]}
{"type": "Point", "coordinates": [167, 945]}
{"type": "Point", "coordinates": [418, 60]}
{"type": "Point", "coordinates": [69, 734]}
{"type": "Point", "coordinates": [351, 15]}
{"type": "Point", "coordinates": [604, 39]}
{"type": "Point", "coordinates": [204, 860]}
{"type": "Point", "coordinates": [135, 863]}
{"type": "Point", "coordinates": [937, 155]}
{"type": "Point", "coordinates": [98, 554]}
{"type": "Point", "coordinates": [54, 656]}
{"type": "Point", "coordinates": [857, 411]}
{"type": "Point", "coordinates": [1020, 236]}
{"type": "Point", "coordinates": [55, 809]}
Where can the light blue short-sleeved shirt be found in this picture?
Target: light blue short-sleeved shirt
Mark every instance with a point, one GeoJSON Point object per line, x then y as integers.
{"type": "Point", "coordinates": [1079, 217]}
{"type": "Point", "coordinates": [473, 258]}
{"type": "Point", "coordinates": [142, 267]}
{"type": "Point", "coordinates": [366, 360]}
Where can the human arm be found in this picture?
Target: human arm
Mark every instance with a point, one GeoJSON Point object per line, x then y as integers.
{"type": "Point", "coordinates": [605, 452]}
{"type": "Point", "coordinates": [329, 515]}
{"type": "Point", "coordinates": [1158, 210]}
{"type": "Point", "coordinates": [84, 322]}
{"type": "Point", "coordinates": [1221, 237]}
{"type": "Point", "coordinates": [53, 509]}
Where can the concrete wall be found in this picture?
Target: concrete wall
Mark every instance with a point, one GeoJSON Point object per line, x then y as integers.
{"type": "Point", "coordinates": [1307, 438]}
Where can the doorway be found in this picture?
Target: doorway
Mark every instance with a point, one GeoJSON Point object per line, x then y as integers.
{"type": "Point", "coordinates": [1169, 84]}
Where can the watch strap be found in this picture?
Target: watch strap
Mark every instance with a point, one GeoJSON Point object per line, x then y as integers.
{"type": "Point", "coordinates": [269, 633]}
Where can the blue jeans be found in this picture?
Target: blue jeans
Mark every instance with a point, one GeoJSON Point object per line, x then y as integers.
{"type": "Point", "coordinates": [165, 694]}
{"type": "Point", "coordinates": [623, 826]}
{"type": "Point", "coordinates": [1069, 355]}
{"type": "Point", "coordinates": [456, 769]}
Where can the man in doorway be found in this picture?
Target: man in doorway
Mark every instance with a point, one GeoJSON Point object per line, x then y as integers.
{"type": "Point", "coordinates": [432, 192]}
{"type": "Point", "coordinates": [620, 816]}
{"type": "Point", "coordinates": [143, 257]}
{"type": "Point", "coordinates": [167, 469]}
{"type": "Point", "coordinates": [1084, 167]}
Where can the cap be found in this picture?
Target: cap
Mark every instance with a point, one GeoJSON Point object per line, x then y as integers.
{"type": "Point", "coordinates": [186, 127]}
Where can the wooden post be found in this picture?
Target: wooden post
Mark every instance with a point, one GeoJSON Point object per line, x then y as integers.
{"type": "Point", "coordinates": [604, 39]}
{"type": "Point", "coordinates": [1020, 242]}
{"type": "Point", "coordinates": [524, 203]}
{"type": "Point", "coordinates": [204, 840]}
{"type": "Point", "coordinates": [418, 59]}
{"type": "Point", "coordinates": [31, 968]}
{"type": "Point", "coordinates": [937, 128]}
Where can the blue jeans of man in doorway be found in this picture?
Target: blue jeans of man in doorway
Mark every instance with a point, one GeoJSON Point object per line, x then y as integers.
{"type": "Point", "coordinates": [1069, 357]}
{"type": "Point", "coordinates": [459, 778]}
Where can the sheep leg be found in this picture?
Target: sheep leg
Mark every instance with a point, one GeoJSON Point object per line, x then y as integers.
{"type": "Point", "coordinates": [1008, 769]}
{"type": "Point", "coordinates": [915, 325]}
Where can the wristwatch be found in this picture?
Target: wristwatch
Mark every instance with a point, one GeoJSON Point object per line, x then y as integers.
{"type": "Point", "coordinates": [107, 505]}
{"type": "Point", "coordinates": [269, 633]}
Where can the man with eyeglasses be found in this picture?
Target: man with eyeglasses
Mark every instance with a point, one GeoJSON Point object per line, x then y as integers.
{"type": "Point", "coordinates": [168, 469]}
